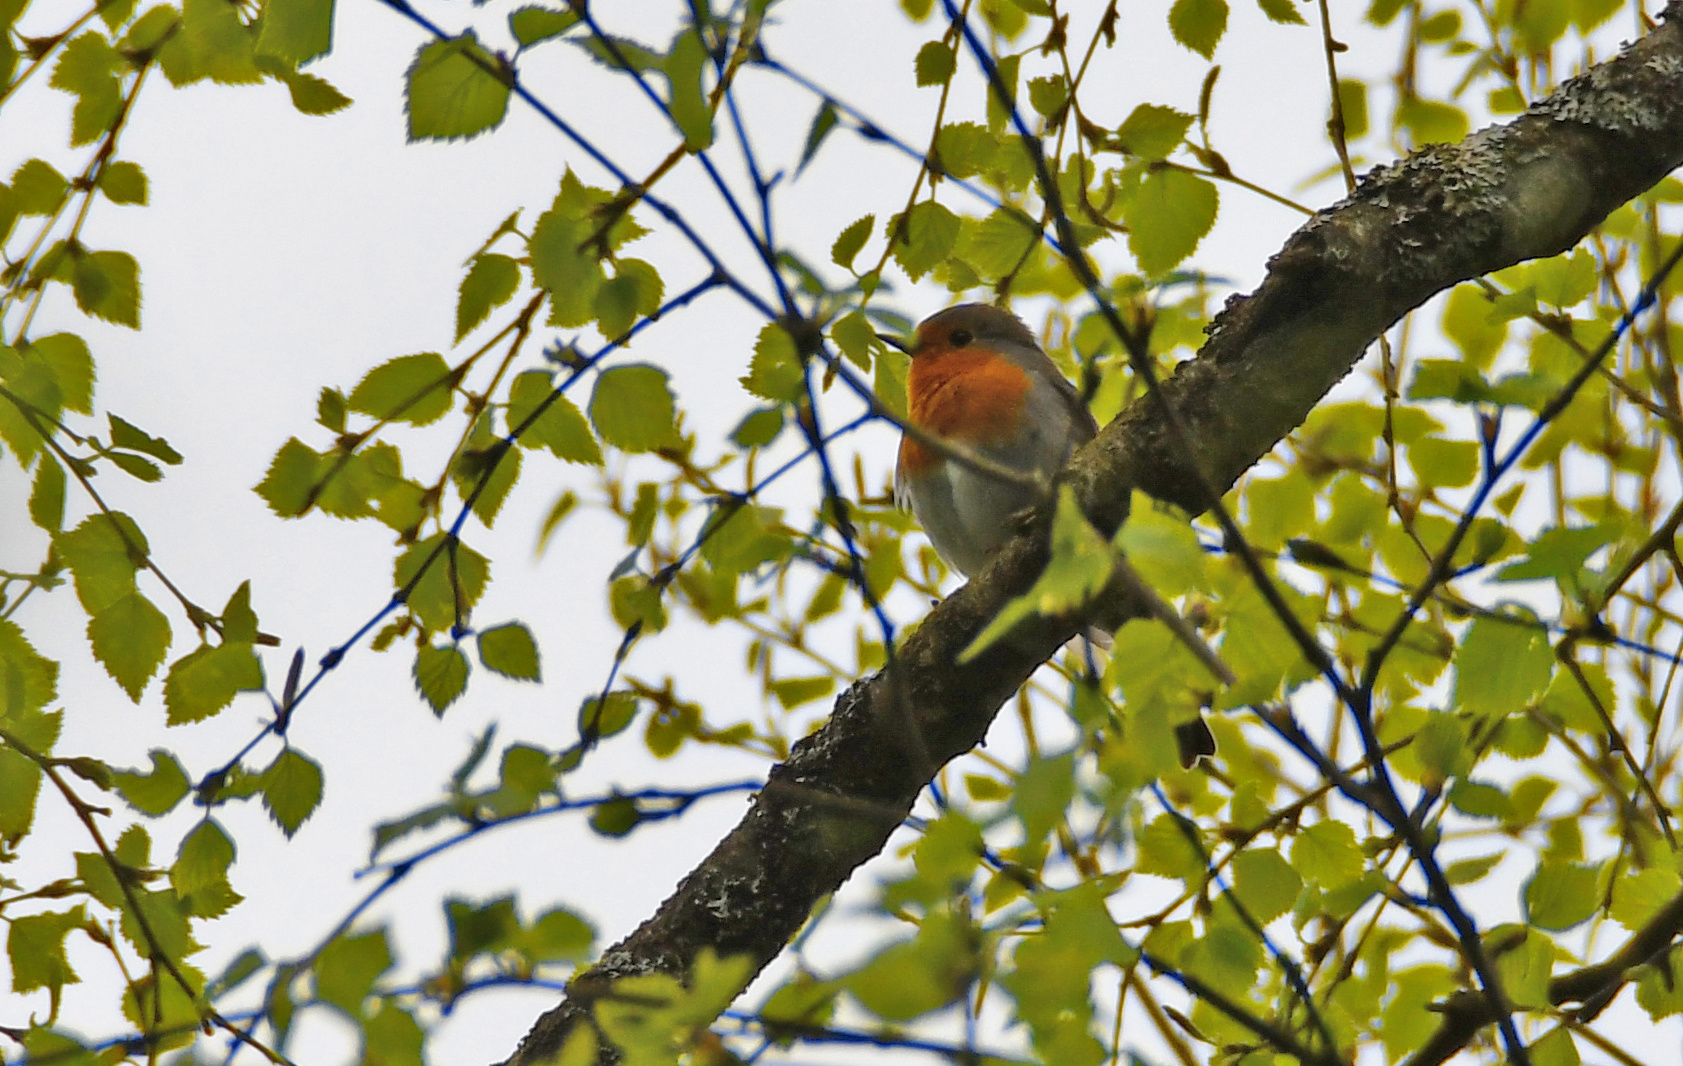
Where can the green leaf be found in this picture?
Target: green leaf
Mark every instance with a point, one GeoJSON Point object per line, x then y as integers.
{"type": "Point", "coordinates": [851, 240]}
{"type": "Point", "coordinates": [1470, 871]}
{"type": "Point", "coordinates": [688, 104]}
{"type": "Point", "coordinates": [602, 719]}
{"type": "Point", "coordinates": [296, 31]}
{"type": "Point", "coordinates": [486, 475]}
{"type": "Point", "coordinates": [1501, 666]}
{"type": "Point", "coordinates": [639, 525]}
{"type": "Point", "coordinates": [635, 601]}
{"type": "Point", "coordinates": [1167, 216]}
{"type": "Point", "coordinates": [1044, 790]}
{"type": "Point", "coordinates": [1468, 323]}
{"type": "Point", "coordinates": [410, 388]}
{"type": "Point", "coordinates": [622, 54]}
{"type": "Point", "coordinates": [441, 675]}
{"type": "Point", "coordinates": [1000, 242]}
{"type": "Point", "coordinates": [741, 537]}
{"type": "Point", "coordinates": [348, 966]}
{"type": "Point", "coordinates": [950, 851]}
{"type": "Point", "coordinates": [1327, 854]}
{"type": "Point", "coordinates": [509, 650]}
{"type": "Point", "coordinates": [20, 776]}
{"type": "Point", "coordinates": [1561, 894]}
{"type": "Point", "coordinates": [107, 285]}
{"type": "Point", "coordinates": [1431, 121]}
{"type": "Point", "coordinates": [66, 358]}
{"type": "Point", "coordinates": [1198, 24]}
{"type": "Point", "coordinates": [758, 428]}
{"type": "Point", "coordinates": [123, 183]}
{"type": "Point", "coordinates": [965, 149]}
{"type": "Point", "coordinates": [1565, 280]}
{"type": "Point", "coordinates": [1152, 132]}
{"type": "Point", "coordinates": [204, 681]}
{"type": "Point", "coordinates": [857, 339]}
{"type": "Point", "coordinates": [453, 581]}
{"type": "Point", "coordinates": [1165, 850]}
{"type": "Point", "coordinates": [1047, 95]}
{"type": "Point", "coordinates": [157, 792]}
{"type": "Point", "coordinates": [1560, 554]}
{"type": "Point", "coordinates": [1265, 883]}
{"type": "Point", "coordinates": [918, 976]}
{"type": "Point", "coordinates": [1554, 1048]}
{"type": "Point", "coordinates": [489, 283]}
{"type": "Point", "coordinates": [1640, 894]}
{"type": "Point", "coordinates": [130, 638]}
{"type": "Point", "coordinates": [889, 381]}
{"type": "Point", "coordinates": [1161, 546]}
{"type": "Point", "coordinates": [792, 692]}
{"type": "Point", "coordinates": [775, 373]}
{"type": "Point", "coordinates": [632, 408]}
{"type": "Point", "coordinates": [331, 409]}
{"type": "Point", "coordinates": [290, 484]}
{"type": "Point", "coordinates": [28, 680]}
{"type": "Point", "coordinates": [530, 25]}
{"type": "Point", "coordinates": [239, 622]}
{"type": "Point", "coordinates": [291, 789]}
{"type": "Point", "coordinates": [391, 1036]}
{"type": "Point", "coordinates": [1080, 566]}
{"type": "Point", "coordinates": [37, 189]}
{"type": "Point", "coordinates": [1588, 14]}
{"type": "Point", "coordinates": [200, 872]}
{"type": "Point", "coordinates": [456, 88]}
{"type": "Point", "coordinates": [87, 67]}
{"type": "Point", "coordinates": [312, 95]}
{"type": "Point", "coordinates": [1479, 800]}
{"type": "Point", "coordinates": [1444, 464]}
{"type": "Point", "coordinates": [822, 123]}
{"type": "Point", "coordinates": [561, 427]}
{"type": "Point", "coordinates": [35, 946]}
{"type": "Point", "coordinates": [237, 972]}
{"type": "Point", "coordinates": [557, 935]}
{"type": "Point", "coordinates": [125, 435]}
{"type": "Point", "coordinates": [527, 772]}
{"type": "Point", "coordinates": [1281, 11]}
{"type": "Point", "coordinates": [923, 237]}
{"type": "Point", "coordinates": [1352, 103]}
{"type": "Point", "coordinates": [615, 817]}
{"type": "Point", "coordinates": [211, 41]}
{"type": "Point", "coordinates": [144, 469]}
{"type": "Point", "coordinates": [46, 496]}
{"type": "Point", "coordinates": [935, 63]}
{"type": "Point", "coordinates": [634, 291]}
{"type": "Point", "coordinates": [100, 557]}
{"type": "Point", "coordinates": [1538, 26]}
{"type": "Point", "coordinates": [566, 265]}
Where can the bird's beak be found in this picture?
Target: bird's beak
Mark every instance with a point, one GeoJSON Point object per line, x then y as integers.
{"type": "Point", "coordinates": [894, 342]}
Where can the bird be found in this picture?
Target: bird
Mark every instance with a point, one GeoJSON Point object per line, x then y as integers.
{"type": "Point", "coordinates": [980, 380]}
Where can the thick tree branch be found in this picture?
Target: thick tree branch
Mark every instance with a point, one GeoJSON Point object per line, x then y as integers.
{"type": "Point", "coordinates": [1531, 188]}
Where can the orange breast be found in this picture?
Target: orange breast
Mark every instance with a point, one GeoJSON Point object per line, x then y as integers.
{"type": "Point", "coordinates": [967, 395]}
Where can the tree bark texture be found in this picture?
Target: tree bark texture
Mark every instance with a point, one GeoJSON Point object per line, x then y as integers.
{"type": "Point", "coordinates": [1449, 212]}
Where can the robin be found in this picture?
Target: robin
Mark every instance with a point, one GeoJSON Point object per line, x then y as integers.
{"type": "Point", "coordinates": [979, 379]}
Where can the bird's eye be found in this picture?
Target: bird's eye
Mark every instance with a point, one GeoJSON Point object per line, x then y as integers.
{"type": "Point", "coordinates": [961, 337]}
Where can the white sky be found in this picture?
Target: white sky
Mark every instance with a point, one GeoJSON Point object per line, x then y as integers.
{"type": "Point", "coordinates": [281, 253]}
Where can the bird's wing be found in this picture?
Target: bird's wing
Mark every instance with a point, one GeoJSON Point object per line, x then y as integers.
{"type": "Point", "coordinates": [1082, 426]}
{"type": "Point", "coordinates": [902, 490]}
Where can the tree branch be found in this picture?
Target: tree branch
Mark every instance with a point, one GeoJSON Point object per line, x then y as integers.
{"type": "Point", "coordinates": [1594, 986]}
{"type": "Point", "coordinates": [1531, 188]}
